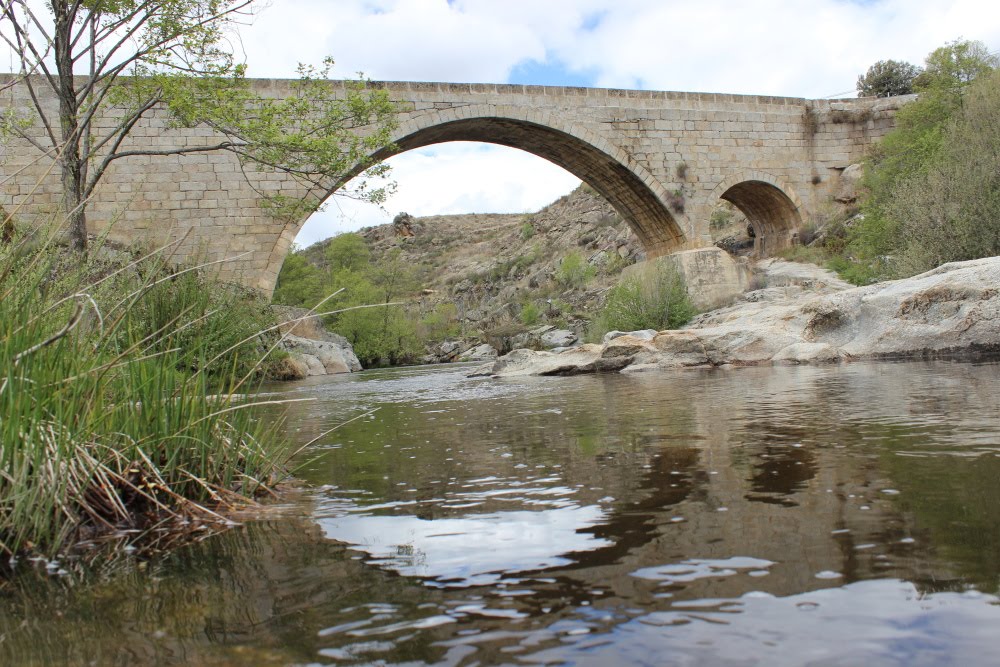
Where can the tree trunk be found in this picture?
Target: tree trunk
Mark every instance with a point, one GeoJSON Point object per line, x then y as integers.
{"type": "Point", "coordinates": [71, 166]}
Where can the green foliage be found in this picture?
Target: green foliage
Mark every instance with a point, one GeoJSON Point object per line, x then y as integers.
{"type": "Point", "coordinates": [299, 282]}
{"type": "Point", "coordinates": [957, 63]}
{"type": "Point", "coordinates": [440, 324]}
{"type": "Point", "coordinates": [951, 210]}
{"type": "Point", "coordinates": [527, 230]}
{"type": "Point", "coordinates": [221, 321]}
{"type": "Point", "coordinates": [530, 313]}
{"type": "Point", "coordinates": [109, 409]}
{"type": "Point", "coordinates": [375, 319]}
{"type": "Point", "coordinates": [574, 271]}
{"type": "Point", "coordinates": [907, 166]}
{"type": "Point", "coordinates": [656, 299]}
{"type": "Point", "coordinates": [887, 78]}
{"type": "Point", "coordinates": [722, 217]}
{"type": "Point", "coordinates": [114, 64]}
{"type": "Point", "coordinates": [348, 252]}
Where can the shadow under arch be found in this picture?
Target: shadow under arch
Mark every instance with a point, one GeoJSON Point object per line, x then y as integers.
{"type": "Point", "coordinates": [627, 186]}
{"type": "Point", "coordinates": [771, 207]}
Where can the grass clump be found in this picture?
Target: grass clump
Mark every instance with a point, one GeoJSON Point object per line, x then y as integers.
{"type": "Point", "coordinates": [574, 271]}
{"type": "Point", "coordinates": [656, 299]}
{"type": "Point", "coordinates": [117, 396]}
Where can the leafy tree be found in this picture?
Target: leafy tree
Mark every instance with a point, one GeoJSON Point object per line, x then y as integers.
{"type": "Point", "coordinates": [124, 60]}
{"type": "Point", "coordinates": [887, 78]}
{"type": "Point", "coordinates": [951, 210]}
{"type": "Point", "coordinates": [299, 282]}
{"type": "Point", "coordinates": [380, 328]}
{"type": "Point", "coordinates": [956, 64]}
{"type": "Point", "coordinates": [348, 251]}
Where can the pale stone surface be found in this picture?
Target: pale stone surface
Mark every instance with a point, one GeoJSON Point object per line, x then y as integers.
{"type": "Point", "coordinates": [758, 152]}
{"type": "Point", "coordinates": [323, 357]}
{"type": "Point", "coordinates": [645, 334]}
{"type": "Point", "coordinates": [850, 179]}
{"type": "Point", "coordinates": [479, 353]}
{"type": "Point", "coordinates": [952, 310]}
{"type": "Point", "coordinates": [558, 338]}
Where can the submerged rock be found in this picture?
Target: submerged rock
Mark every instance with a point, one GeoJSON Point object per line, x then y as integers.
{"type": "Point", "coordinates": [810, 317]}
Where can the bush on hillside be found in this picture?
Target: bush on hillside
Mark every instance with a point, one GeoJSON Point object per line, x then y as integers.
{"type": "Point", "coordinates": [574, 271]}
{"type": "Point", "coordinates": [657, 300]}
{"type": "Point", "coordinates": [920, 160]}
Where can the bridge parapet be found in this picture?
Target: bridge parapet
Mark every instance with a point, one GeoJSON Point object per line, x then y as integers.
{"type": "Point", "coordinates": [663, 159]}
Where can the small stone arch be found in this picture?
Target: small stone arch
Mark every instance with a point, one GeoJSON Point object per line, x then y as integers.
{"type": "Point", "coordinates": [771, 206]}
{"type": "Point", "coordinates": [627, 185]}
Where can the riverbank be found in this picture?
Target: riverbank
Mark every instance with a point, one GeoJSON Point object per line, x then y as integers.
{"type": "Point", "coordinates": [804, 315]}
{"type": "Point", "coordinates": [125, 396]}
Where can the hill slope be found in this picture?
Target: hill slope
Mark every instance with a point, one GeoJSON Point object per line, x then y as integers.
{"type": "Point", "coordinates": [492, 265]}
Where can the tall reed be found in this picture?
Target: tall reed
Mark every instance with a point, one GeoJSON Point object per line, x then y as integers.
{"type": "Point", "coordinates": [114, 403]}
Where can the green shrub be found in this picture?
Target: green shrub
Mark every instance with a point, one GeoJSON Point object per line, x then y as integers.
{"type": "Point", "coordinates": [440, 324]}
{"type": "Point", "coordinates": [721, 218]}
{"type": "Point", "coordinates": [527, 230]}
{"type": "Point", "coordinates": [919, 194]}
{"type": "Point", "coordinates": [574, 271]}
{"type": "Point", "coordinates": [530, 313]}
{"type": "Point", "coordinates": [657, 300]}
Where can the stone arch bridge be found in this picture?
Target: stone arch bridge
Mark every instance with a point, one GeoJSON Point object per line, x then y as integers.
{"type": "Point", "coordinates": [662, 159]}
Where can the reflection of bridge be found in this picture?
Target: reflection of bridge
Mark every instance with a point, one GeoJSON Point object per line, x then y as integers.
{"type": "Point", "coordinates": [662, 159]}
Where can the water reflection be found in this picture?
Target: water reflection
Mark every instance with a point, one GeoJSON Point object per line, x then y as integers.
{"type": "Point", "coordinates": [472, 550]}
{"type": "Point", "coordinates": [840, 515]}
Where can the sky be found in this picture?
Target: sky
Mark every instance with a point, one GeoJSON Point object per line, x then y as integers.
{"type": "Point", "coordinates": [797, 48]}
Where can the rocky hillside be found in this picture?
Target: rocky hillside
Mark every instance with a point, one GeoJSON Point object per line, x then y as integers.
{"type": "Point", "coordinates": [558, 261]}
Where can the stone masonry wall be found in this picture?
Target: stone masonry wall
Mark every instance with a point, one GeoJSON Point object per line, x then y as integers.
{"type": "Point", "coordinates": [664, 159]}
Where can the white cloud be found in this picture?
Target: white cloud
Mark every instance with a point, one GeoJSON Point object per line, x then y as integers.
{"type": "Point", "coordinates": [457, 177]}
{"type": "Point", "coordinates": [772, 47]}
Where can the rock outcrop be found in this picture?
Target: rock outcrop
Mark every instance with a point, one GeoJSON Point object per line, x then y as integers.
{"type": "Point", "coordinates": [311, 348]}
{"type": "Point", "coordinates": [808, 316]}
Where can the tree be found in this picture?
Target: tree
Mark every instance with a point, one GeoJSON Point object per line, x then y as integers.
{"type": "Point", "coordinates": [956, 64]}
{"type": "Point", "coordinates": [887, 78]}
{"type": "Point", "coordinates": [347, 251]}
{"type": "Point", "coordinates": [125, 59]}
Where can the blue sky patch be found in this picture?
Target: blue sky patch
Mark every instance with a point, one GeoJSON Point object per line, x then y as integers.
{"type": "Point", "coordinates": [592, 22]}
{"type": "Point", "coordinates": [550, 73]}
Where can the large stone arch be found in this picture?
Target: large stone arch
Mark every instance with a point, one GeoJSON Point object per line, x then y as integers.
{"type": "Point", "coordinates": [771, 206]}
{"type": "Point", "coordinates": [629, 187]}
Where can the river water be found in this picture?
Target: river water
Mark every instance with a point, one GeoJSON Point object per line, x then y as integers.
{"type": "Point", "coordinates": [822, 515]}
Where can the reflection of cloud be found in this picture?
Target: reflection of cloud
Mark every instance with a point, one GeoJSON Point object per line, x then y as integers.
{"type": "Point", "coordinates": [692, 570]}
{"type": "Point", "coordinates": [471, 550]}
{"type": "Point", "coordinates": [884, 622]}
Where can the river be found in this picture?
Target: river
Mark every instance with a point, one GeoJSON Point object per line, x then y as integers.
{"type": "Point", "coordinates": [824, 515]}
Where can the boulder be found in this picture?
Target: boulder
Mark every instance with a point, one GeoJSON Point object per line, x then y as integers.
{"type": "Point", "coordinates": [558, 338]}
{"type": "Point", "coordinates": [953, 310]}
{"type": "Point", "coordinates": [847, 185]}
{"type": "Point", "coordinates": [482, 352]}
{"type": "Point", "coordinates": [448, 350]}
{"type": "Point", "coordinates": [645, 334]}
{"type": "Point", "coordinates": [292, 367]}
{"type": "Point", "coordinates": [323, 357]}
